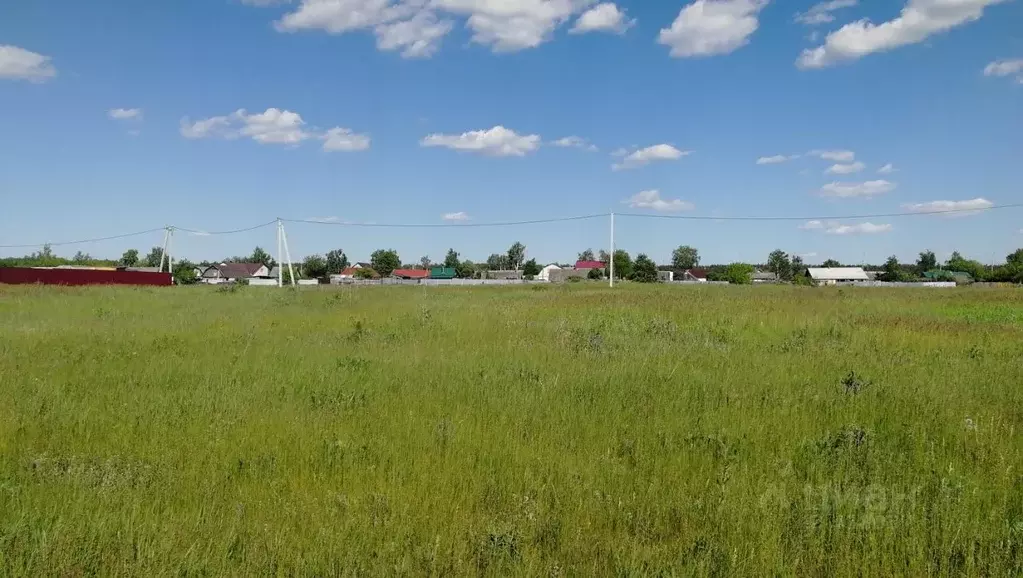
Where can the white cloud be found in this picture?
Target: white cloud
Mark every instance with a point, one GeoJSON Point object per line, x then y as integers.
{"type": "Point", "coordinates": [836, 228]}
{"type": "Point", "coordinates": [125, 113]}
{"type": "Point", "coordinates": [273, 126]}
{"type": "Point", "coordinates": [340, 139]}
{"type": "Point", "coordinates": [414, 27]}
{"type": "Point", "coordinates": [821, 13]}
{"type": "Point", "coordinates": [417, 37]}
{"type": "Point", "coordinates": [918, 20]}
{"type": "Point", "coordinates": [642, 157]}
{"type": "Point", "coordinates": [459, 216]}
{"type": "Point", "coordinates": [708, 27]}
{"type": "Point", "coordinates": [838, 156]}
{"type": "Point", "coordinates": [887, 169]}
{"type": "Point", "coordinates": [324, 219]}
{"type": "Point", "coordinates": [1006, 68]}
{"type": "Point", "coordinates": [20, 64]}
{"type": "Point", "coordinates": [845, 169]}
{"type": "Point", "coordinates": [604, 17]}
{"type": "Point", "coordinates": [497, 142]}
{"type": "Point", "coordinates": [574, 142]}
{"type": "Point", "coordinates": [199, 233]}
{"type": "Point", "coordinates": [652, 200]}
{"type": "Point", "coordinates": [776, 159]}
{"type": "Point", "coordinates": [849, 190]}
{"type": "Point", "coordinates": [950, 208]}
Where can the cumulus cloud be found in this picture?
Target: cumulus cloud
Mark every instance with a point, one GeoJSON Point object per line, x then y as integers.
{"type": "Point", "coordinates": [838, 156]}
{"type": "Point", "coordinates": [950, 208]}
{"type": "Point", "coordinates": [19, 64]}
{"type": "Point", "coordinates": [822, 13]}
{"type": "Point", "coordinates": [887, 169]}
{"type": "Point", "coordinates": [708, 27]}
{"type": "Point", "coordinates": [125, 113]}
{"type": "Point", "coordinates": [845, 169]}
{"type": "Point", "coordinates": [416, 28]}
{"type": "Point", "coordinates": [643, 157]}
{"type": "Point", "coordinates": [776, 159]}
{"type": "Point", "coordinates": [850, 190]}
{"type": "Point", "coordinates": [652, 200]}
{"type": "Point", "coordinates": [273, 126]}
{"type": "Point", "coordinates": [604, 17]}
{"type": "Point", "coordinates": [1003, 68]}
{"type": "Point", "coordinates": [918, 20]}
{"type": "Point", "coordinates": [497, 142]}
{"type": "Point", "coordinates": [574, 142]}
{"type": "Point", "coordinates": [459, 216]}
{"type": "Point", "coordinates": [836, 228]}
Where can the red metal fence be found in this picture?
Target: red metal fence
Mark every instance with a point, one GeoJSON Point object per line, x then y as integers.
{"type": "Point", "coordinates": [22, 275]}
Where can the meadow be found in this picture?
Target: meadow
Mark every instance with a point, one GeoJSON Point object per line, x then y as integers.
{"type": "Point", "coordinates": [545, 431]}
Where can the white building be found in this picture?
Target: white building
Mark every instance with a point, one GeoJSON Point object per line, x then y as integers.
{"type": "Point", "coordinates": [834, 275]}
{"type": "Point", "coordinates": [545, 273]}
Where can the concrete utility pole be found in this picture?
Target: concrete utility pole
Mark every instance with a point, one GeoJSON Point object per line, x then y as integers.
{"type": "Point", "coordinates": [611, 265]}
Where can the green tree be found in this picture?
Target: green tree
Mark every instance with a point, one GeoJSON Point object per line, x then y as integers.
{"type": "Point", "coordinates": [364, 273]}
{"type": "Point", "coordinates": [604, 257]}
{"type": "Point", "coordinates": [738, 274]}
{"type": "Point", "coordinates": [830, 263]}
{"type": "Point", "coordinates": [184, 273]}
{"type": "Point", "coordinates": [451, 259]}
{"type": "Point", "coordinates": [797, 268]}
{"type": "Point", "coordinates": [81, 258]}
{"type": "Point", "coordinates": [153, 257]}
{"type": "Point", "coordinates": [314, 267]}
{"type": "Point", "coordinates": [644, 270]}
{"type": "Point", "coordinates": [1015, 258]}
{"type": "Point", "coordinates": [497, 262]}
{"type": "Point", "coordinates": [623, 264]}
{"type": "Point", "coordinates": [130, 258]}
{"type": "Point", "coordinates": [424, 262]}
{"type": "Point", "coordinates": [530, 269]}
{"type": "Point", "coordinates": [516, 255]}
{"type": "Point", "coordinates": [586, 255]}
{"type": "Point", "coordinates": [464, 269]}
{"type": "Point", "coordinates": [926, 262]}
{"type": "Point", "coordinates": [957, 262]}
{"type": "Point", "coordinates": [891, 271]}
{"type": "Point", "coordinates": [685, 257]}
{"type": "Point", "coordinates": [778, 262]}
{"type": "Point", "coordinates": [385, 261]}
{"type": "Point", "coordinates": [595, 274]}
{"type": "Point", "coordinates": [261, 256]}
{"type": "Point", "coordinates": [337, 261]}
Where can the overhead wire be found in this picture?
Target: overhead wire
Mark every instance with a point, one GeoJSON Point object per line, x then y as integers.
{"type": "Point", "coordinates": [446, 225]}
{"type": "Point", "coordinates": [827, 218]}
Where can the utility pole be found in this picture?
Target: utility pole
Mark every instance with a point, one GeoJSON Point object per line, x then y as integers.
{"type": "Point", "coordinates": [611, 265]}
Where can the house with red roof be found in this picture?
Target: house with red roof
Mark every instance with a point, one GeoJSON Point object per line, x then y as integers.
{"type": "Point", "coordinates": [411, 273]}
{"type": "Point", "coordinates": [587, 265]}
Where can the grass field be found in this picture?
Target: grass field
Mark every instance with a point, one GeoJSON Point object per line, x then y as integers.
{"type": "Point", "coordinates": [547, 431]}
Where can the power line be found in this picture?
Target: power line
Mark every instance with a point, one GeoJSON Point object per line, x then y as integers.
{"type": "Point", "coordinates": [245, 230]}
{"type": "Point", "coordinates": [831, 218]}
{"type": "Point", "coordinates": [445, 225]}
{"type": "Point", "coordinates": [96, 240]}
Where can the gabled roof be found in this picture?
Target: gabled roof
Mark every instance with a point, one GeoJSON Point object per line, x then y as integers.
{"type": "Point", "coordinates": [238, 270]}
{"type": "Point", "coordinates": [411, 273]}
{"type": "Point", "coordinates": [837, 274]}
{"type": "Point", "coordinates": [589, 265]}
{"type": "Point", "coordinates": [697, 273]}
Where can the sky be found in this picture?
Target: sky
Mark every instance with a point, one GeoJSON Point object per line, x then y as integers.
{"type": "Point", "coordinates": [119, 116]}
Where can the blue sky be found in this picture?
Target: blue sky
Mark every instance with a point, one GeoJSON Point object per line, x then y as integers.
{"type": "Point", "coordinates": [118, 116]}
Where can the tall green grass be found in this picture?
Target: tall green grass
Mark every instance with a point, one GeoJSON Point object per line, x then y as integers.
{"type": "Point", "coordinates": [556, 431]}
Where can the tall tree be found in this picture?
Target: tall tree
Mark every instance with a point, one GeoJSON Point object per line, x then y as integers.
{"type": "Point", "coordinates": [385, 261]}
{"type": "Point", "coordinates": [516, 255]}
{"type": "Point", "coordinates": [337, 261]}
{"type": "Point", "coordinates": [586, 255]}
{"type": "Point", "coordinates": [184, 273]}
{"type": "Point", "coordinates": [798, 268]}
{"type": "Point", "coordinates": [81, 258]}
{"type": "Point", "coordinates": [778, 262]}
{"type": "Point", "coordinates": [530, 269]}
{"type": "Point", "coordinates": [926, 262]}
{"type": "Point", "coordinates": [451, 259]}
{"type": "Point", "coordinates": [738, 274]}
{"type": "Point", "coordinates": [891, 271]}
{"type": "Point", "coordinates": [623, 264]}
{"type": "Point", "coordinates": [261, 256]}
{"type": "Point", "coordinates": [314, 267]}
{"type": "Point", "coordinates": [497, 262]}
{"type": "Point", "coordinates": [153, 257]}
{"type": "Point", "coordinates": [1015, 258]}
{"type": "Point", "coordinates": [130, 258]}
{"type": "Point", "coordinates": [465, 269]}
{"type": "Point", "coordinates": [685, 257]}
{"type": "Point", "coordinates": [604, 257]}
{"type": "Point", "coordinates": [830, 263]}
{"type": "Point", "coordinates": [424, 261]}
{"type": "Point", "coordinates": [644, 269]}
